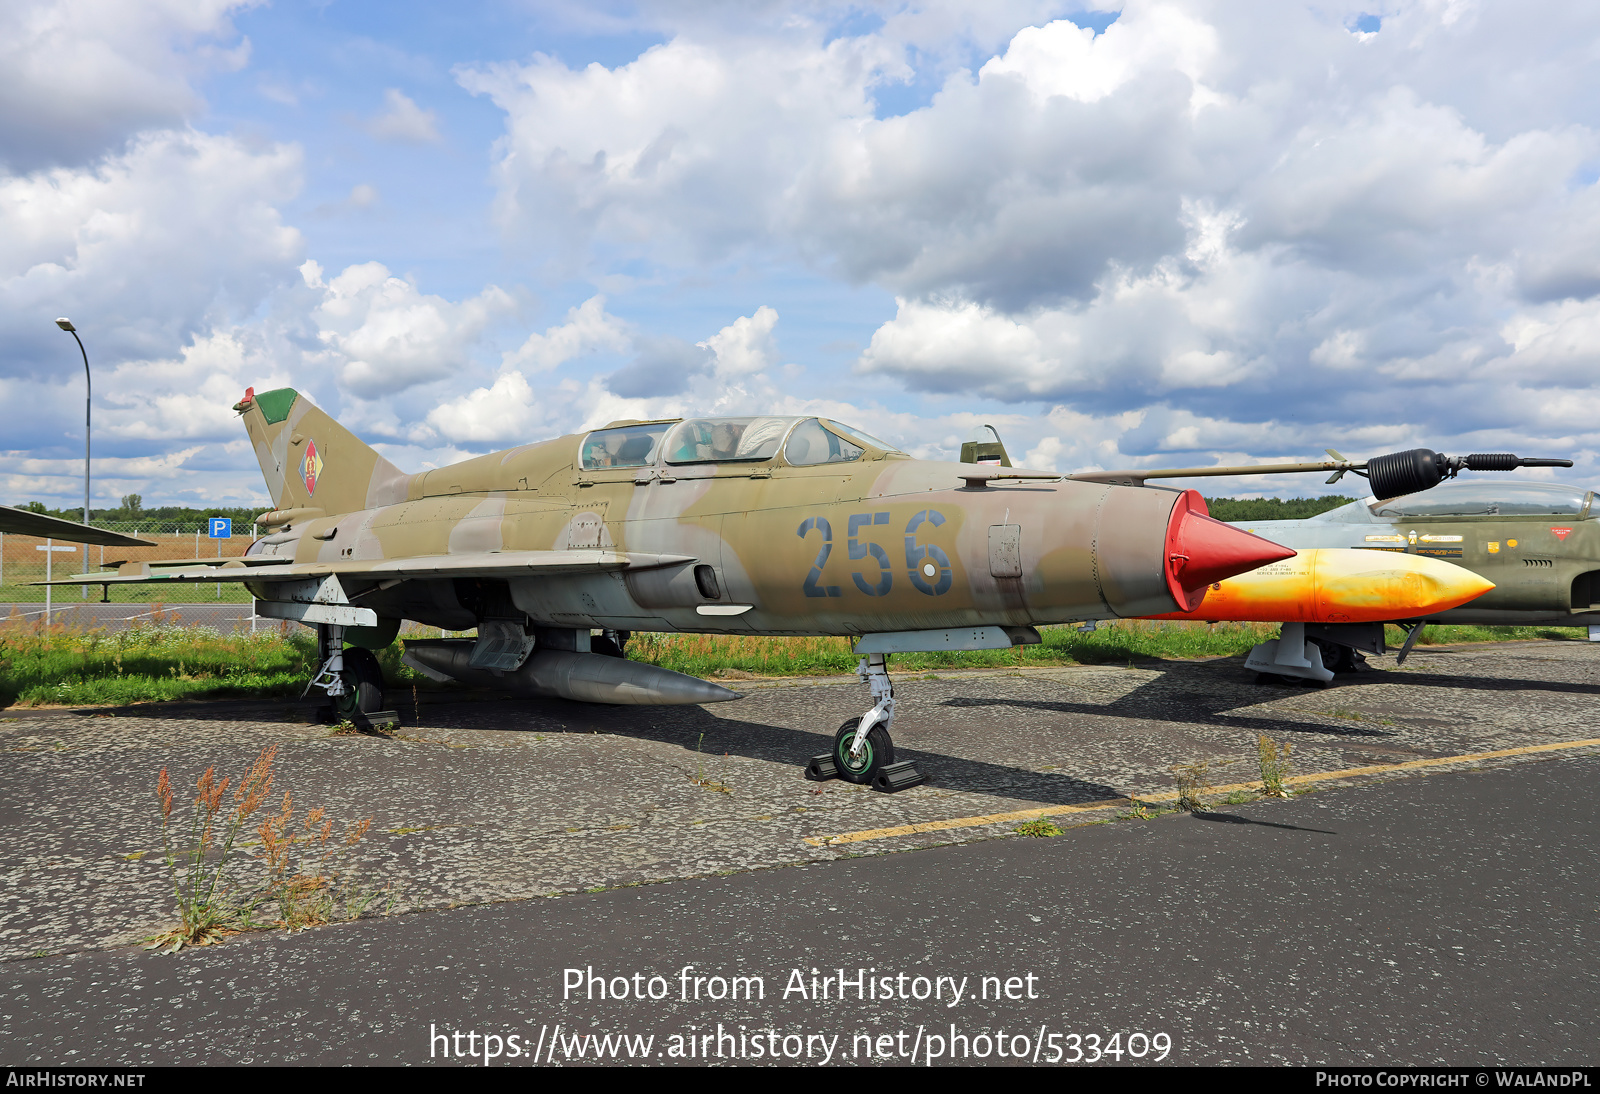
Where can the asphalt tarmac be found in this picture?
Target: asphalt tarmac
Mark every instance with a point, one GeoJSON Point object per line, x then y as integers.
{"type": "Point", "coordinates": [1441, 919]}
{"type": "Point", "coordinates": [1400, 914]}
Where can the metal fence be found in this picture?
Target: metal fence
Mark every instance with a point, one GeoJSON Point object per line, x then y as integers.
{"type": "Point", "coordinates": [23, 560]}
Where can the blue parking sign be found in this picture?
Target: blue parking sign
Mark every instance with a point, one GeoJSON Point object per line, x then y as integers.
{"type": "Point", "coordinates": [221, 527]}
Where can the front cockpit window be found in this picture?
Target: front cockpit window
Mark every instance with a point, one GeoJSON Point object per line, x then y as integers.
{"type": "Point", "coordinates": [624, 446]}
{"type": "Point", "coordinates": [1488, 498]}
{"type": "Point", "coordinates": [810, 444]}
{"type": "Point", "coordinates": [861, 438]}
{"type": "Point", "coordinates": [718, 440]}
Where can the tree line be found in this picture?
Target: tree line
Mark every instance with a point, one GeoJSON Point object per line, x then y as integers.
{"type": "Point", "coordinates": [133, 511]}
{"type": "Point", "coordinates": [1273, 508]}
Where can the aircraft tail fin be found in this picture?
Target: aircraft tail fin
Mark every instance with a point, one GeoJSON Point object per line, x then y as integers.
{"type": "Point", "coordinates": [311, 461]}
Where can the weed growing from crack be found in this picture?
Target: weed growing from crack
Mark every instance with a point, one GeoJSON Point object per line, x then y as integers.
{"type": "Point", "coordinates": [303, 880]}
{"type": "Point", "coordinates": [1275, 766]}
{"type": "Point", "coordinates": [1140, 810]}
{"type": "Point", "coordinates": [701, 779]}
{"type": "Point", "coordinates": [1040, 828]}
{"type": "Point", "coordinates": [1192, 785]}
{"type": "Point", "coordinates": [196, 861]}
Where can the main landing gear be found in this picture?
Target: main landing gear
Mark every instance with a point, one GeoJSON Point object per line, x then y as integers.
{"type": "Point", "coordinates": [351, 678]}
{"type": "Point", "coordinates": [862, 751]}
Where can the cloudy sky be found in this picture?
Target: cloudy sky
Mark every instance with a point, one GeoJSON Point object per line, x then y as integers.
{"type": "Point", "coordinates": [1174, 232]}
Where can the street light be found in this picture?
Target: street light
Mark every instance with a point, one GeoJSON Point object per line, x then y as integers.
{"type": "Point", "coordinates": [66, 324]}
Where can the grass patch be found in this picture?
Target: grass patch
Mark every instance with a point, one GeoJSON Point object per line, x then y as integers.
{"type": "Point", "coordinates": [55, 666]}
{"type": "Point", "coordinates": [1118, 642]}
{"type": "Point", "coordinates": [62, 666]}
{"type": "Point", "coordinates": [1446, 635]}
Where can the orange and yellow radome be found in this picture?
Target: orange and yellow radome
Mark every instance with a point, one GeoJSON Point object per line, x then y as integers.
{"type": "Point", "coordinates": [1339, 585]}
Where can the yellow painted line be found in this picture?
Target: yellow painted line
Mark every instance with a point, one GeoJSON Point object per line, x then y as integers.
{"type": "Point", "coordinates": [1172, 795]}
{"type": "Point", "coordinates": [961, 822]}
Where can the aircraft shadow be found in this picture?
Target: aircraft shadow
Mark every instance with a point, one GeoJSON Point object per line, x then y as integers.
{"type": "Point", "coordinates": [1471, 683]}
{"type": "Point", "coordinates": [1156, 703]}
{"type": "Point", "coordinates": [1234, 818]}
{"type": "Point", "coordinates": [697, 728]}
{"type": "Point", "coordinates": [694, 728]}
{"type": "Point", "coordinates": [1159, 712]}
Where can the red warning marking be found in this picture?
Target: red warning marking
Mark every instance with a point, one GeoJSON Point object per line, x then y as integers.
{"type": "Point", "coordinates": [1561, 533]}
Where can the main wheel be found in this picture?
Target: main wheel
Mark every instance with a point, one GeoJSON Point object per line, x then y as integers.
{"type": "Point", "coordinates": [606, 647]}
{"type": "Point", "coordinates": [1335, 657]}
{"type": "Point", "coordinates": [877, 752]}
{"type": "Point", "coordinates": [363, 684]}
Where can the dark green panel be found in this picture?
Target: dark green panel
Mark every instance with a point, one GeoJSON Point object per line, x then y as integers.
{"type": "Point", "coordinates": [275, 404]}
{"type": "Point", "coordinates": [373, 638]}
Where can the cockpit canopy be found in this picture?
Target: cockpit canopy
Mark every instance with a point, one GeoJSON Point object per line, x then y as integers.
{"type": "Point", "coordinates": [1485, 498]}
{"type": "Point", "coordinates": [803, 442]}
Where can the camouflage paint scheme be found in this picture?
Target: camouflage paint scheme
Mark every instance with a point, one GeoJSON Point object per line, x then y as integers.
{"type": "Point", "coordinates": [1545, 565]}
{"type": "Point", "coordinates": [880, 543]}
{"type": "Point", "coordinates": [615, 548]}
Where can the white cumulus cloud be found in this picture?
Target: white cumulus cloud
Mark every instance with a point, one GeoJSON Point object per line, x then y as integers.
{"type": "Point", "coordinates": [77, 77]}
{"type": "Point", "coordinates": [385, 335]}
{"type": "Point", "coordinates": [403, 120]}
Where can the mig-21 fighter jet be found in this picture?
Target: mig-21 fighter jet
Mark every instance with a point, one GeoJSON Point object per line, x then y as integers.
{"type": "Point", "coordinates": [771, 525]}
{"type": "Point", "coordinates": [1538, 542]}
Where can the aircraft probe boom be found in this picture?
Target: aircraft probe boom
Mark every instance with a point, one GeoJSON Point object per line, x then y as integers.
{"type": "Point", "coordinates": [1391, 475]}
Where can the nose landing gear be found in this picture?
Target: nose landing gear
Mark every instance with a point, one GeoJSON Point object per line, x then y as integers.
{"type": "Point", "coordinates": [862, 750]}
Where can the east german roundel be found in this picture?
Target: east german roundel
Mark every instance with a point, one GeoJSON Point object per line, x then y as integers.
{"type": "Point", "coordinates": [311, 466]}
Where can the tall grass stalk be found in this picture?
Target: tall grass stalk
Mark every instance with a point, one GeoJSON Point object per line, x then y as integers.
{"type": "Point", "coordinates": [304, 878]}
{"type": "Point", "coordinates": [197, 859]}
{"type": "Point", "coordinates": [1275, 766]}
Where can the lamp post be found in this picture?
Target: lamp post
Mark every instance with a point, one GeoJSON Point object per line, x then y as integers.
{"type": "Point", "coordinates": [66, 324]}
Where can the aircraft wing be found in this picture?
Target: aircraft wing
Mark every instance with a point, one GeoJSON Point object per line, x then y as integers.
{"type": "Point", "coordinates": [476, 564]}
{"type": "Point", "coordinates": [24, 523]}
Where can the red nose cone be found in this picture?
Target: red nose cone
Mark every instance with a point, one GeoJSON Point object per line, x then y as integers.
{"type": "Point", "coordinates": [1201, 550]}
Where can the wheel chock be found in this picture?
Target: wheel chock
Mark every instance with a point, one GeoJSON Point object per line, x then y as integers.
{"type": "Point", "coordinates": [819, 769]}
{"type": "Point", "coordinates": [900, 776]}
{"type": "Point", "coordinates": [363, 721]}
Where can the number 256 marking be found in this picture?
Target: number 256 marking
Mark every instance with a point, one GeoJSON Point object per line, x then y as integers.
{"type": "Point", "coordinates": [927, 565]}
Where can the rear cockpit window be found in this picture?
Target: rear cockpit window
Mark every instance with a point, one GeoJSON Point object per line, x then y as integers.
{"type": "Point", "coordinates": [624, 446]}
{"type": "Point", "coordinates": [810, 444]}
{"type": "Point", "coordinates": [716, 440]}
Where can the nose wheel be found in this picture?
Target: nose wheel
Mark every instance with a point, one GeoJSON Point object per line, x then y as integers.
{"type": "Point", "coordinates": [862, 751]}
{"type": "Point", "coordinates": [860, 763]}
